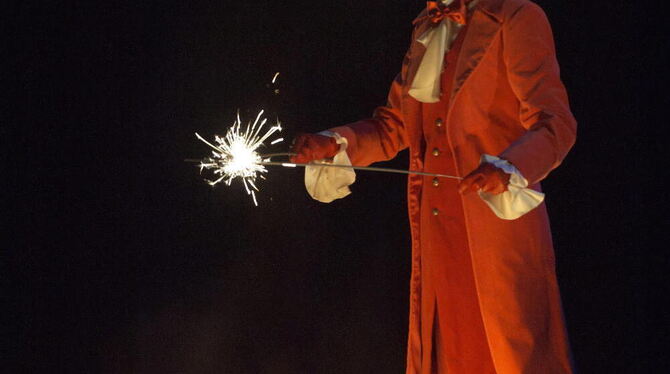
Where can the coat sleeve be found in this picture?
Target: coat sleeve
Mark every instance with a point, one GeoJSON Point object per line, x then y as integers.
{"type": "Point", "coordinates": [381, 137]}
{"type": "Point", "coordinates": [533, 73]}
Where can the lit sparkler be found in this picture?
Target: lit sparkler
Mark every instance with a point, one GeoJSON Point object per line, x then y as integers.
{"type": "Point", "coordinates": [236, 154]}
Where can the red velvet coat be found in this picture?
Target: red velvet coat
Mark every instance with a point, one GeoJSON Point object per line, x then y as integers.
{"type": "Point", "coordinates": [507, 99]}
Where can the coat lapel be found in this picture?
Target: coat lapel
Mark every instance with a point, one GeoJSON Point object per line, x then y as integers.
{"type": "Point", "coordinates": [482, 28]}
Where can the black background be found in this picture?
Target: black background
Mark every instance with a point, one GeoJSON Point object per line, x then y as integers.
{"type": "Point", "coordinates": [120, 259]}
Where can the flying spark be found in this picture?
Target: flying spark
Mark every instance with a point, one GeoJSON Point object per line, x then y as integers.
{"type": "Point", "coordinates": [236, 154]}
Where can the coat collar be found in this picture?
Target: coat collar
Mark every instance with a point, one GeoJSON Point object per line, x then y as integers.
{"type": "Point", "coordinates": [491, 7]}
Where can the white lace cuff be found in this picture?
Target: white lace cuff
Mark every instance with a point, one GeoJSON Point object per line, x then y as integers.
{"type": "Point", "coordinates": [518, 199]}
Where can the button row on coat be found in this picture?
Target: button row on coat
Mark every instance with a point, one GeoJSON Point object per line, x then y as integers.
{"type": "Point", "coordinates": [436, 152]}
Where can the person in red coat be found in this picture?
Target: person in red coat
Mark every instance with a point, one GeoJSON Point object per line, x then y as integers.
{"type": "Point", "coordinates": [479, 96]}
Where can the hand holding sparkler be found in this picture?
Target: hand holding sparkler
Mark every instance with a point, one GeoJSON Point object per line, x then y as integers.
{"type": "Point", "coordinates": [487, 178]}
{"type": "Point", "coordinates": [309, 147]}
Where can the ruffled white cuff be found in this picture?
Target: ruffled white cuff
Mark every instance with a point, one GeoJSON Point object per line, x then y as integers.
{"type": "Point", "coordinates": [326, 184]}
{"type": "Point", "coordinates": [518, 199]}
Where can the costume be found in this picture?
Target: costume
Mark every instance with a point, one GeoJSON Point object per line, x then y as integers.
{"type": "Point", "coordinates": [483, 292]}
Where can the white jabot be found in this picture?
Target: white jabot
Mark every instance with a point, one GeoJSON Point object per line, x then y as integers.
{"type": "Point", "coordinates": [426, 86]}
{"type": "Point", "coordinates": [518, 199]}
{"type": "Point", "coordinates": [326, 184]}
{"type": "Point", "coordinates": [437, 40]}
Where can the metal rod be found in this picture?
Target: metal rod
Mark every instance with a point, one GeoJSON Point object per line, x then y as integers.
{"type": "Point", "coordinates": [268, 155]}
{"type": "Point", "coordinates": [264, 156]}
{"type": "Point", "coordinates": [367, 168]}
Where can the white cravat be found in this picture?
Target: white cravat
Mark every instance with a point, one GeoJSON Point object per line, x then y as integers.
{"type": "Point", "coordinates": [437, 40]}
{"type": "Point", "coordinates": [426, 85]}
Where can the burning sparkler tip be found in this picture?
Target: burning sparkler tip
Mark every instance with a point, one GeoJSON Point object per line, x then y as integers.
{"type": "Point", "coordinates": [236, 154]}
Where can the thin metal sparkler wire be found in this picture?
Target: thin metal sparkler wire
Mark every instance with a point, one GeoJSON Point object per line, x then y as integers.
{"type": "Point", "coordinates": [366, 168]}
{"type": "Point", "coordinates": [270, 155]}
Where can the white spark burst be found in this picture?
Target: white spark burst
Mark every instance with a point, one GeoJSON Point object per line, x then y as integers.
{"type": "Point", "coordinates": [236, 154]}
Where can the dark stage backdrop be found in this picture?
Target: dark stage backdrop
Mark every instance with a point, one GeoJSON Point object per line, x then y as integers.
{"type": "Point", "coordinates": [120, 259]}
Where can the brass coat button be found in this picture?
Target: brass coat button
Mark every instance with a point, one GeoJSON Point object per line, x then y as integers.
{"type": "Point", "coordinates": [436, 182]}
{"type": "Point", "coordinates": [439, 122]}
{"type": "Point", "coordinates": [435, 211]}
{"type": "Point", "coordinates": [436, 152]}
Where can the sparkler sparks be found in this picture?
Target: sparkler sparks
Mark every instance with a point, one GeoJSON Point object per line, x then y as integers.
{"type": "Point", "coordinates": [236, 154]}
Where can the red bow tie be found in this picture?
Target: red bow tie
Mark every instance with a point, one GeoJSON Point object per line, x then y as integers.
{"type": "Point", "coordinates": [456, 11]}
